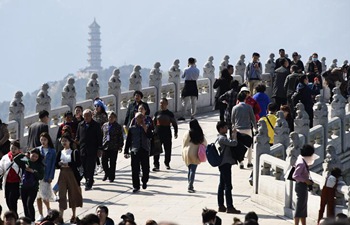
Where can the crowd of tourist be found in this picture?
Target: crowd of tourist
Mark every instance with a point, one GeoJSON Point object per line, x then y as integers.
{"type": "Point", "coordinates": [88, 142]}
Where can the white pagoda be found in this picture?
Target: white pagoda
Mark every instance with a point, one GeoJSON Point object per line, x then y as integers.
{"type": "Point", "coordinates": [94, 52]}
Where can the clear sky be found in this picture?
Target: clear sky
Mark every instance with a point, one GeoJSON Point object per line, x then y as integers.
{"type": "Point", "coordinates": [44, 40]}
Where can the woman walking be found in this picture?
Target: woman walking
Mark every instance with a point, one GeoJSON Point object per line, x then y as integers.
{"type": "Point", "coordinates": [68, 161]}
{"type": "Point", "coordinates": [191, 141]}
{"type": "Point", "coordinates": [48, 153]}
{"type": "Point", "coordinates": [33, 171]}
{"type": "Point", "coordinates": [303, 181]}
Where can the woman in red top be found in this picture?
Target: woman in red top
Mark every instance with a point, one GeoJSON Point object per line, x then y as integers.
{"type": "Point", "coordinates": [252, 102]}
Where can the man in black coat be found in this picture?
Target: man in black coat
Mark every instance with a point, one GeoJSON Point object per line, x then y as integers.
{"type": "Point", "coordinates": [37, 128]}
{"type": "Point", "coordinates": [89, 137]}
{"type": "Point", "coordinates": [133, 108]}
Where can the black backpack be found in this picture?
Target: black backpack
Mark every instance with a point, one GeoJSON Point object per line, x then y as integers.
{"type": "Point", "coordinates": [213, 156]}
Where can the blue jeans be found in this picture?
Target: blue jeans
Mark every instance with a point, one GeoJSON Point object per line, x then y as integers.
{"type": "Point", "coordinates": [225, 185]}
{"type": "Point", "coordinates": [191, 173]}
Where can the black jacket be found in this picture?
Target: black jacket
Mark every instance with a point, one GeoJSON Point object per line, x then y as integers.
{"type": "Point", "coordinates": [132, 109]}
{"type": "Point", "coordinates": [278, 82]}
{"type": "Point", "coordinates": [89, 137]}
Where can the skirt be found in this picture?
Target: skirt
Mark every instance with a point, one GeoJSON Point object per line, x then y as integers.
{"type": "Point", "coordinates": [45, 191]}
{"type": "Point", "coordinates": [301, 190]}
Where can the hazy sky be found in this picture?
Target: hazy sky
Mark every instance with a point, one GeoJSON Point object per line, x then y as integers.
{"type": "Point", "coordinates": [44, 40]}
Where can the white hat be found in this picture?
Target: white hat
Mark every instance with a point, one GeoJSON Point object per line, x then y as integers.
{"type": "Point", "coordinates": [244, 88]}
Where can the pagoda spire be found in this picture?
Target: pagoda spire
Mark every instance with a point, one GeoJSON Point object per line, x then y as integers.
{"type": "Point", "coordinates": [94, 53]}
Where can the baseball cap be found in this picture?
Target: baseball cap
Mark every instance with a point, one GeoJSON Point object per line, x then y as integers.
{"type": "Point", "coordinates": [244, 88]}
{"type": "Point", "coordinates": [128, 216]}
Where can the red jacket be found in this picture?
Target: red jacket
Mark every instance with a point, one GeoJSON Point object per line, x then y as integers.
{"type": "Point", "coordinates": [255, 105]}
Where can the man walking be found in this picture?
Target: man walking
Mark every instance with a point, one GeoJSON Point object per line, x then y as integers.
{"type": "Point", "coordinates": [89, 137]}
{"type": "Point", "coordinates": [163, 119]}
{"type": "Point", "coordinates": [253, 72]}
{"type": "Point", "coordinates": [190, 90]}
{"type": "Point", "coordinates": [242, 119]}
{"type": "Point", "coordinates": [37, 128]}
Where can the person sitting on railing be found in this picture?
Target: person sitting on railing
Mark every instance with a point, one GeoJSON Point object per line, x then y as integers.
{"type": "Point", "coordinates": [328, 194]}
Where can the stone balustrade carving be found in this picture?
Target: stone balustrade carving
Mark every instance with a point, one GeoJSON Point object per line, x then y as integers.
{"type": "Point", "coordinates": [135, 79]}
{"type": "Point", "coordinates": [281, 131]}
{"type": "Point", "coordinates": [240, 67]}
{"type": "Point", "coordinates": [293, 150]}
{"type": "Point", "coordinates": [270, 64]}
{"type": "Point", "coordinates": [92, 87]}
{"type": "Point", "coordinates": [301, 121]}
{"type": "Point", "coordinates": [114, 83]}
{"type": "Point", "coordinates": [69, 94]}
{"type": "Point", "coordinates": [323, 63]}
{"type": "Point", "coordinates": [43, 100]}
{"type": "Point", "coordinates": [224, 63]}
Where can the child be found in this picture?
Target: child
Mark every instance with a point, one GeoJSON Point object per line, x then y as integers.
{"type": "Point", "coordinates": [328, 194]}
{"type": "Point", "coordinates": [49, 159]}
{"type": "Point", "coordinates": [225, 184]}
{"type": "Point", "coordinates": [33, 171]}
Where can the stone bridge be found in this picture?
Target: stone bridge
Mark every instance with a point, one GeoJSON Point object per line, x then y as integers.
{"type": "Point", "coordinates": [330, 135]}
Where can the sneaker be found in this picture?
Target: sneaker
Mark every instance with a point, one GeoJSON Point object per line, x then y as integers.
{"type": "Point", "coordinates": [249, 165]}
{"type": "Point", "coordinates": [181, 119]}
{"type": "Point", "coordinates": [99, 169]}
{"type": "Point", "coordinates": [135, 190]}
{"type": "Point", "coordinates": [144, 186]}
{"type": "Point", "coordinates": [241, 166]}
{"type": "Point", "coordinates": [56, 198]}
{"type": "Point", "coordinates": [87, 188]}
{"type": "Point", "coordinates": [233, 210]}
{"type": "Point", "coordinates": [191, 191]}
{"type": "Point", "coordinates": [222, 208]}
{"type": "Point", "coordinates": [40, 218]}
{"type": "Point", "coordinates": [155, 169]}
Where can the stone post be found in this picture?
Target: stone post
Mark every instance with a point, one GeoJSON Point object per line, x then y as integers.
{"type": "Point", "coordinates": [43, 100]}
{"type": "Point", "coordinates": [114, 85]}
{"type": "Point", "coordinates": [338, 110]}
{"type": "Point", "coordinates": [209, 72]}
{"type": "Point", "coordinates": [270, 64]}
{"type": "Point", "coordinates": [281, 132]}
{"type": "Point", "coordinates": [68, 94]}
{"type": "Point", "coordinates": [16, 112]}
{"type": "Point", "coordinates": [224, 64]}
{"type": "Point", "coordinates": [293, 152]}
{"type": "Point", "coordinates": [155, 80]}
{"type": "Point", "coordinates": [262, 146]}
{"type": "Point", "coordinates": [266, 79]}
{"type": "Point", "coordinates": [135, 79]}
{"type": "Point", "coordinates": [302, 122]}
{"type": "Point", "coordinates": [174, 77]}
{"type": "Point", "coordinates": [92, 87]}
{"type": "Point", "coordinates": [321, 116]}
{"type": "Point", "coordinates": [323, 62]}
{"type": "Point", "coordinates": [240, 67]}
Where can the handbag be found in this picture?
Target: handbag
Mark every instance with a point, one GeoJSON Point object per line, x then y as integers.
{"type": "Point", "coordinates": [201, 153]}
{"type": "Point", "coordinates": [290, 174]}
{"type": "Point", "coordinates": [156, 145]}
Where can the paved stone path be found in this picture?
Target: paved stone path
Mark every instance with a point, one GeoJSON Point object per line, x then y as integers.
{"type": "Point", "coordinates": [166, 198]}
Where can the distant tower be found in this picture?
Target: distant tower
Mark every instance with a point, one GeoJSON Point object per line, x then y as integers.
{"type": "Point", "coordinates": [94, 48]}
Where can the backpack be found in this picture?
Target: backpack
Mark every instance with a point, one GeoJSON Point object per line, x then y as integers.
{"type": "Point", "coordinates": [213, 155]}
{"type": "Point", "coordinates": [202, 155]}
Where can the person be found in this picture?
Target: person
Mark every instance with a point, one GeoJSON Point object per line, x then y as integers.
{"type": "Point", "coordinates": [225, 185]}
{"type": "Point", "coordinates": [208, 216]}
{"type": "Point", "coordinates": [89, 137]}
{"type": "Point", "coordinates": [113, 142]}
{"type": "Point", "coordinates": [138, 143]}
{"type": "Point", "coordinates": [4, 139]}
{"type": "Point", "coordinates": [190, 90]}
{"type": "Point", "coordinates": [251, 101]}
{"type": "Point", "coordinates": [287, 112]}
{"type": "Point", "coordinates": [192, 139]}
{"type": "Point", "coordinates": [314, 69]}
{"type": "Point", "coordinates": [253, 72]}
{"type": "Point", "coordinates": [262, 99]}
{"type": "Point", "coordinates": [315, 88]}
{"type": "Point", "coordinates": [48, 153]}
{"type": "Point", "coordinates": [328, 194]}
{"type": "Point", "coordinates": [230, 99]}
{"type": "Point", "coordinates": [303, 181]}
{"type": "Point", "coordinates": [10, 217]}
{"type": "Point", "coordinates": [68, 121]}
{"type": "Point", "coordinates": [33, 171]}
{"type": "Point", "coordinates": [222, 85]}
{"type": "Point", "coordinates": [251, 216]}
{"type": "Point", "coordinates": [242, 119]}
{"type": "Point", "coordinates": [52, 217]}
{"type": "Point", "coordinates": [280, 75]}
{"type": "Point", "coordinates": [270, 120]}
{"type": "Point", "coordinates": [68, 161]}
{"type": "Point", "coordinates": [133, 108]}
{"type": "Point", "coordinates": [89, 219]}
{"type": "Point", "coordinates": [37, 128]}
{"type": "Point", "coordinates": [305, 97]}
{"type": "Point", "coordinates": [11, 176]}
{"type": "Point", "coordinates": [151, 222]}
{"type": "Point", "coordinates": [78, 114]}
{"type": "Point", "coordinates": [23, 221]}
{"type": "Point", "coordinates": [297, 62]}
{"type": "Point", "coordinates": [279, 61]}
{"type": "Point", "coordinates": [162, 120]}
{"type": "Point", "coordinates": [101, 117]}
{"type": "Point", "coordinates": [291, 83]}
{"type": "Point", "coordinates": [128, 217]}
{"type": "Point", "coordinates": [102, 213]}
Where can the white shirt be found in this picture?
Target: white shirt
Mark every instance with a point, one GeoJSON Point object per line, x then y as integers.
{"type": "Point", "coordinates": [331, 181]}
{"type": "Point", "coordinates": [66, 156]}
